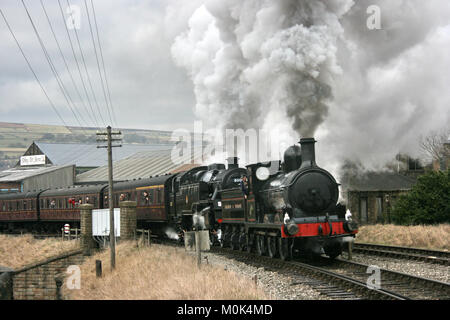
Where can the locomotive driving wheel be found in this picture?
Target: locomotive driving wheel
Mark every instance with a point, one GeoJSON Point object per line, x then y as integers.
{"type": "Point", "coordinates": [285, 248]}
{"type": "Point", "coordinates": [250, 242]}
{"type": "Point", "coordinates": [272, 246]}
{"type": "Point", "coordinates": [242, 241]}
{"type": "Point", "coordinates": [260, 245]}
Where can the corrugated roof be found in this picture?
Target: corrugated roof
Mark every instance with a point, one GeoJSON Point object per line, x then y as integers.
{"type": "Point", "coordinates": [377, 181]}
{"type": "Point", "coordinates": [140, 165]}
{"type": "Point", "coordinates": [19, 174]}
{"type": "Point", "coordinates": [88, 155]}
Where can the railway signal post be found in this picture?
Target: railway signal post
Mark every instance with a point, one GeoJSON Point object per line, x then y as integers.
{"type": "Point", "coordinates": [109, 133]}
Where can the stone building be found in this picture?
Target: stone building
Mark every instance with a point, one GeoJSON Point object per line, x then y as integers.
{"type": "Point", "coordinates": [372, 195]}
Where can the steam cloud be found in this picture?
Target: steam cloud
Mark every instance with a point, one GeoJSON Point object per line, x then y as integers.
{"type": "Point", "coordinates": [312, 67]}
{"type": "Point", "coordinates": [247, 58]}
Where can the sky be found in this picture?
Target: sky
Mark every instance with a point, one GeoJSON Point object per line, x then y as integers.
{"type": "Point", "coordinates": [303, 67]}
{"type": "Point", "coordinates": [147, 89]}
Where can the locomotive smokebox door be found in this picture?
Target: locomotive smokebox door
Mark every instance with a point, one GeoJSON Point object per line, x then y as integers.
{"type": "Point", "coordinates": [189, 240]}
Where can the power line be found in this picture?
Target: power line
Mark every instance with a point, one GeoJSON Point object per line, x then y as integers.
{"type": "Point", "coordinates": [87, 72]}
{"type": "Point", "coordinates": [32, 70]}
{"type": "Point", "coordinates": [103, 62]}
{"type": "Point", "coordinates": [98, 63]}
{"type": "Point", "coordinates": [52, 67]}
{"type": "Point", "coordinates": [78, 65]}
{"type": "Point", "coordinates": [65, 61]}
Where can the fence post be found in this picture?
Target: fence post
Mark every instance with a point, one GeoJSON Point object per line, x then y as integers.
{"type": "Point", "coordinates": [197, 248]}
{"type": "Point", "coordinates": [59, 282]}
{"type": "Point", "coordinates": [350, 249]}
{"type": "Point", "coordinates": [98, 268]}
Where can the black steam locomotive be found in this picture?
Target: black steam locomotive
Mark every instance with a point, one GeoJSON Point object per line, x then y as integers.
{"type": "Point", "coordinates": [274, 208]}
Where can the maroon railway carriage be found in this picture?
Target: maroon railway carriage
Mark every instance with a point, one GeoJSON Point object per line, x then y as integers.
{"type": "Point", "coordinates": [19, 207]}
{"type": "Point", "coordinates": [152, 196]}
{"type": "Point", "coordinates": [62, 204]}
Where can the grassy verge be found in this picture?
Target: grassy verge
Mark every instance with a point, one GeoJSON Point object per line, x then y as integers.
{"type": "Point", "coordinates": [19, 251]}
{"type": "Point", "coordinates": [159, 272]}
{"type": "Point", "coordinates": [429, 237]}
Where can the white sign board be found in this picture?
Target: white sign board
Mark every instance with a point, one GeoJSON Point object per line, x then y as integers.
{"type": "Point", "coordinates": [32, 160]}
{"type": "Point", "coordinates": [100, 222]}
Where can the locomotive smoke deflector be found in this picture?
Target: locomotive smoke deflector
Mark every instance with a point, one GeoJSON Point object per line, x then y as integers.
{"type": "Point", "coordinates": [308, 152]}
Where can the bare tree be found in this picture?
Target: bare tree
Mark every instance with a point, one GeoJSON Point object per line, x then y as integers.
{"type": "Point", "coordinates": [436, 144]}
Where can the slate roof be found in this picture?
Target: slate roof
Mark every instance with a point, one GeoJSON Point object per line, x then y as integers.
{"type": "Point", "coordinates": [88, 155]}
{"type": "Point", "coordinates": [140, 165]}
{"type": "Point", "coordinates": [377, 181]}
{"type": "Point", "coordinates": [19, 174]}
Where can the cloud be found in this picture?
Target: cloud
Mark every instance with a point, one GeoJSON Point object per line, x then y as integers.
{"type": "Point", "coordinates": [147, 89]}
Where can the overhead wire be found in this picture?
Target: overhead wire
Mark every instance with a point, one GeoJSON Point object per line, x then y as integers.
{"type": "Point", "coordinates": [103, 62]}
{"type": "Point", "coordinates": [98, 63]}
{"type": "Point", "coordinates": [78, 65]}
{"type": "Point", "coordinates": [53, 68]}
{"type": "Point", "coordinates": [65, 62]}
{"type": "Point", "coordinates": [87, 72]}
{"type": "Point", "coordinates": [32, 70]}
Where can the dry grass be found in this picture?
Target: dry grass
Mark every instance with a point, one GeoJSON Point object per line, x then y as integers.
{"type": "Point", "coordinates": [429, 237]}
{"type": "Point", "coordinates": [159, 273]}
{"type": "Point", "coordinates": [19, 251]}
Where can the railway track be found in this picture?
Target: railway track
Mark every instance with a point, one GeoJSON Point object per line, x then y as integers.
{"type": "Point", "coordinates": [340, 279]}
{"type": "Point", "coordinates": [430, 256]}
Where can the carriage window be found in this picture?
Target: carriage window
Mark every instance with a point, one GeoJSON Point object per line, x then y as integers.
{"type": "Point", "coordinates": [95, 201]}
{"type": "Point", "coordinates": [3, 206]}
{"type": "Point", "coordinates": [32, 204]}
{"type": "Point", "coordinates": [18, 206]}
{"type": "Point", "coordinates": [146, 197]}
{"type": "Point", "coordinates": [25, 205]}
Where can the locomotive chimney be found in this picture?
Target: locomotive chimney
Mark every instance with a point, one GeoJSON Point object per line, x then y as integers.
{"type": "Point", "coordinates": [308, 152]}
{"type": "Point", "coordinates": [233, 162]}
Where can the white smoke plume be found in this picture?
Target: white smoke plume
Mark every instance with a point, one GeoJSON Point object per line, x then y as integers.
{"type": "Point", "coordinates": [171, 234]}
{"type": "Point", "coordinates": [314, 68]}
{"type": "Point", "coordinates": [248, 59]}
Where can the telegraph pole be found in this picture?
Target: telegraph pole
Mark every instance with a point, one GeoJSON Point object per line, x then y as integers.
{"type": "Point", "coordinates": [112, 236]}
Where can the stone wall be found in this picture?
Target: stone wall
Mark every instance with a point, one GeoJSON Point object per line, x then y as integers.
{"type": "Point", "coordinates": [37, 281]}
{"type": "Point", "coordinates": [127, 220]}
{"type": "Point", "coordinates": [388, 199]}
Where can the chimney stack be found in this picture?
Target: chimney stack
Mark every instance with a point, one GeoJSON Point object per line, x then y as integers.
{"type": "Point", "coordinates": [233, 162]}
{"type": "Point", "coordinates": [308, 152]}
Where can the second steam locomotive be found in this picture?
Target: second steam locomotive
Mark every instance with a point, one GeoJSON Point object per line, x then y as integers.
{"type": "Point", "coordinates": [273, 208]}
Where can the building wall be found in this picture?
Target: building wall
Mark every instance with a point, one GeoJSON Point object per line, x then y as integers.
{"type": "Point", "coordinates": [379, 205]}
{"type": "Point", "coordinates": [63, 177]}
